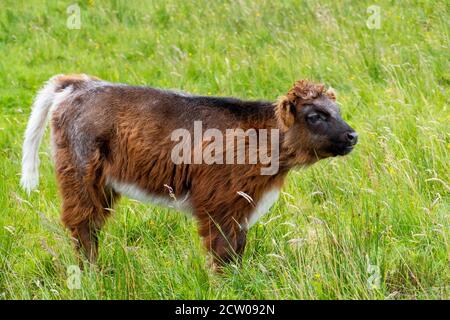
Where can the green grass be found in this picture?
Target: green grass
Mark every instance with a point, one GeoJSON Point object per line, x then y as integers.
{"type": "Point", "coordinates": [386, 204]}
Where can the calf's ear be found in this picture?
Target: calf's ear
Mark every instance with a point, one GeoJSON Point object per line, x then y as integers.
{"type": "Point", "coordinates": [285, 112]}
{"type": "Point", "coordinates": [331, 94]}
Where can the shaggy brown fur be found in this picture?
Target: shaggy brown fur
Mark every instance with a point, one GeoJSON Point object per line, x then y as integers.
{"type": "Point", "coordinates": [107, 131]}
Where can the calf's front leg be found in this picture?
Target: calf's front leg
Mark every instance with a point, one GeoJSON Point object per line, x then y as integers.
{"type": "Point", "coordinates": [225, 241]}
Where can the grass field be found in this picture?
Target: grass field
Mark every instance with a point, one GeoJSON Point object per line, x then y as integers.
{"type": "Point", "coordinates": [373, 225]}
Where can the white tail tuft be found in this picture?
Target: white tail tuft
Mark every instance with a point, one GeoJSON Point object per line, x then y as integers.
{"type": "Point", "coordinates": [33, 135]}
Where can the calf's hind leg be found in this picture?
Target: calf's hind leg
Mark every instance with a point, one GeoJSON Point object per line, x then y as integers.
{"type": "Point", "coordinates": [84, 219]}
{"type": "Point", "coordinates": [86, 202]}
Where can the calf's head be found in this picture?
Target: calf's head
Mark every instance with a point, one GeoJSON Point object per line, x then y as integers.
{"type": "Point", "coordinates": [311, 121]}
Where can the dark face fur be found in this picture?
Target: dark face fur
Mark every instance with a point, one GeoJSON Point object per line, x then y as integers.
{"type": "Point", "coordinates": [328, 132]}
{"type": "Point", "coordinates": [312, 124]}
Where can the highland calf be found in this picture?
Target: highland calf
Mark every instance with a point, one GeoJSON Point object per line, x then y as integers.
{"type": "Point", "coordinates": [113, 139]}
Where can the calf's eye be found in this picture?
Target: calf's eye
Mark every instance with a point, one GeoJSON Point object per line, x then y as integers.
{"type": "Point", "coordinates": [316, 117]}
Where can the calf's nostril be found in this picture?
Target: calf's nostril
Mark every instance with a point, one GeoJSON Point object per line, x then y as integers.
{"type": "Point", "coordinates": [352, 137]}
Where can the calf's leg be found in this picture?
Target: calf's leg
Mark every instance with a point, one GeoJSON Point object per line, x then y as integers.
{"type": "Point", "coordinates": [86, 201]}
{"type": "Point", "coordinates": [225, 241]}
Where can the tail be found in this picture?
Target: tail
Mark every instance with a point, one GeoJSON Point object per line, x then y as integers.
{"type": "Point", "coordinates": [33, 135]}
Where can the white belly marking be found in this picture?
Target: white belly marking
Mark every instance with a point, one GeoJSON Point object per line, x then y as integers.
{"type": "Point", "coordinates": [135, 192]}
{"type": "Point", "coordinates": [263, 206]}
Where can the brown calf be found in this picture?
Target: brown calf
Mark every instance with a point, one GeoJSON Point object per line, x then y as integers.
{"type": "Point", "coordinates": [112, 139]}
